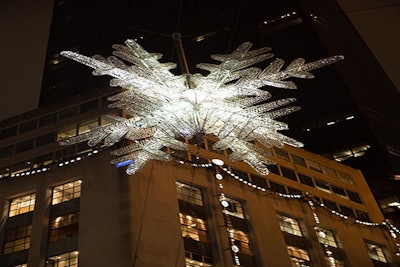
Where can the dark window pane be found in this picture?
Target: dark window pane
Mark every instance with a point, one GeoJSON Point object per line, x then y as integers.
{"type": "Point", "coordinates": [27, 126]}
{"type": "Point", "coordinates": [299, 161]}
{"type": "Point", "coordinates": [45, 139]}
{"type": "Point", "coordinates": [288, 173]}
{"type": "Point", "coordinates": [277, 187]}
{"type": "Point", "coordinates": [322, 185]}
{"type": "Point", "coordinates": [259, 181]}
{"type": "Point", "coordinates": [273, 169]}
{"type": "Point", "coordinates": [24, 146]}
{"type": "Point", "coordinates": [294, 191]}
{"type": "Point", "coordinates": [307, 180]}
{"type": "Point", "coordinates": [346, 211]}
{"type": "Point", "coordinates": [48, 119]}
{"type": "Point", "coordinates": [330, 204]}
{"type": "Point", "coordinates": [88, 106]}
{"type": "Point", "coordinates": [362, 216]}
{"type": "Point", "coordinates": [68, 113]}
{"type": "Point", "coordinates": [338, 190]}
{"type": "Point", "coordinates": [241, 174]}
{"type": "Point", "coordinates": [354, 196]}
{"type": "Point", "coordinates": [6, 151]}
{"type": "Point", "coordinates": [8, 132]}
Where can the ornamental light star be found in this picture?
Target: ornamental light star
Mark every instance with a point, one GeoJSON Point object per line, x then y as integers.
{"type": "Point", "coordinates": [163, 109]}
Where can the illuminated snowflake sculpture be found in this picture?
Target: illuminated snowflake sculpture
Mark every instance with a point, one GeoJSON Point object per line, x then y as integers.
{"type": "Point", "coordinates": [163, 108]}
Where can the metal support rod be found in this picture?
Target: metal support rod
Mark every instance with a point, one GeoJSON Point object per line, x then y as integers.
{"type": "Point", "coordinates": [182, 58]}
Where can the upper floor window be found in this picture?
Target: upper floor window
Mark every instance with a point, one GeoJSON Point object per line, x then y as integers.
{"type": "Point", "coordinates": [66, 192]}
{"type": "Point", "coordinates": [281, 153]}
{"type": "Point", "coordinates": [194, 228]}
{"type": "Point", "coordinates": [298, 257]}
{"type": "Point", "coordinates": [234, 208]}
{"type": "Point", "coordinates": [375, 252]}
{"type": "Point", "coordinates": [69, 259]}
{"type": "Point", "coordinates": [64, 226]}
{"type": "Point", "coordinates": [17, 239]}
{"type": "Point", "coordinates": [326, 237]}
{"type": "Point", "coordinates": [334, 262]}
{"type": "Point", "coordinates": [289, 225]}
{"type": "Point", "coordinates": [189, 193]}
{"type": "Point", "coordinates": [22, 204]}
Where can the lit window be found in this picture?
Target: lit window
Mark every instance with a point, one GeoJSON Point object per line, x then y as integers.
{"type": "Point", "coordinates": [66, 192]}
{"type": "Point", "coordinates": [234, 208]}
{"type": "Point", "coordinates": [242, 240]}
{"type": "Point", "coordinates": [189, 193]}
{"type": "Point", "coordinates": [298, 257]}
{"type": "Point", "coordinates": [87, 126]}
{"type": "Point", "coordinates": [66, 133]}
{"type": "Point", "coordinates": [64, 260]}
{"type": "Point", "coordinates": [332, 262]}
{"type": "Point", "coordinates": [194, 263]}
{"type": "Point", "coordinates": [289, 225]}
{"type": "Point", "coordinates": [326, 237]}
{"type": "Point", "coordinates": [17, 239]}
{"type": "Point", "coordinates": [194, 228]}
{"type": "Point", "coordinates": [22, 204]}
{"type": "Point", "coordinates": [375, 252]}
{"type": "Point", "coordinates": [21, 265]}
{"type": "Point", "coordinates": [64, 226]}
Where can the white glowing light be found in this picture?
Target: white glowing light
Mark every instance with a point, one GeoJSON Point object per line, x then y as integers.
{"type": "Point", "coordinates": [218, 162]}
{"type": "Point", "coordinates": [163, 108]}
{"type": "Point", "coordinates": [225, 203]}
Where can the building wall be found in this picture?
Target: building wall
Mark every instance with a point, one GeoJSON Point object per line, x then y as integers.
{"type": "Point", "coordinates": [134, 220]}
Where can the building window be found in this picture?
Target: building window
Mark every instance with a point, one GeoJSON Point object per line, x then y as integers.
{"type": "Point", "coordinates": [332, 262]}
{"type": "Point", "coordinates": [345, 177]}
{"type": "Point", "coordinates": [288, 173]}
{"type": "Point", "coordinates": [329, 171]}
{"type": "Point", "coordinates": [313, 165]}
{"type": "Point", "coordinates": [234, 208]}
{"type": "Point", "coordinates": [354, 196]}
{"type": "Point", "coordinates": [298, 160]}
{"type": "Point", "coordinates": [64, 226]}
{"type": "Point", "coordinates": [298, 257]}
{"type": "Point", "coordinates": [281, 153]}
{"type": "Point", "coordinates": [69, 259]}
{"type": "Point", "coordinates": [65, 133]}
{"type": "Point", "coordinates": [326, 237]}
{"type": "Point", "coordinates": [239, 231]}
{"type": "Point", "coordinates": [192, 227]}
{"type": "Point", "coordinates": [375, 252]}
{"type": "Point", "coordinates": [22, 204]}
{"type": "Point", "coordinates": [189, 193]}
{"type": "Point", "coordinates": [194, 263]}
{"type": "Point", "coordinates": [86, 126]}
{"type": "Point", "coordinates": [17, 239]}
{"type": "Point", "coordinates": [192, 217]}
{"type": "Point", "coordinates": [66, 192]}
{"type": "Point", "coordinates": [289, 225]}
{"type": "Point", "coordinates": [307, 180]}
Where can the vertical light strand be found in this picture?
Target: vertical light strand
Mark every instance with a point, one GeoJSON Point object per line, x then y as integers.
{"type": "Point", "coordinates": [225, 204]}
